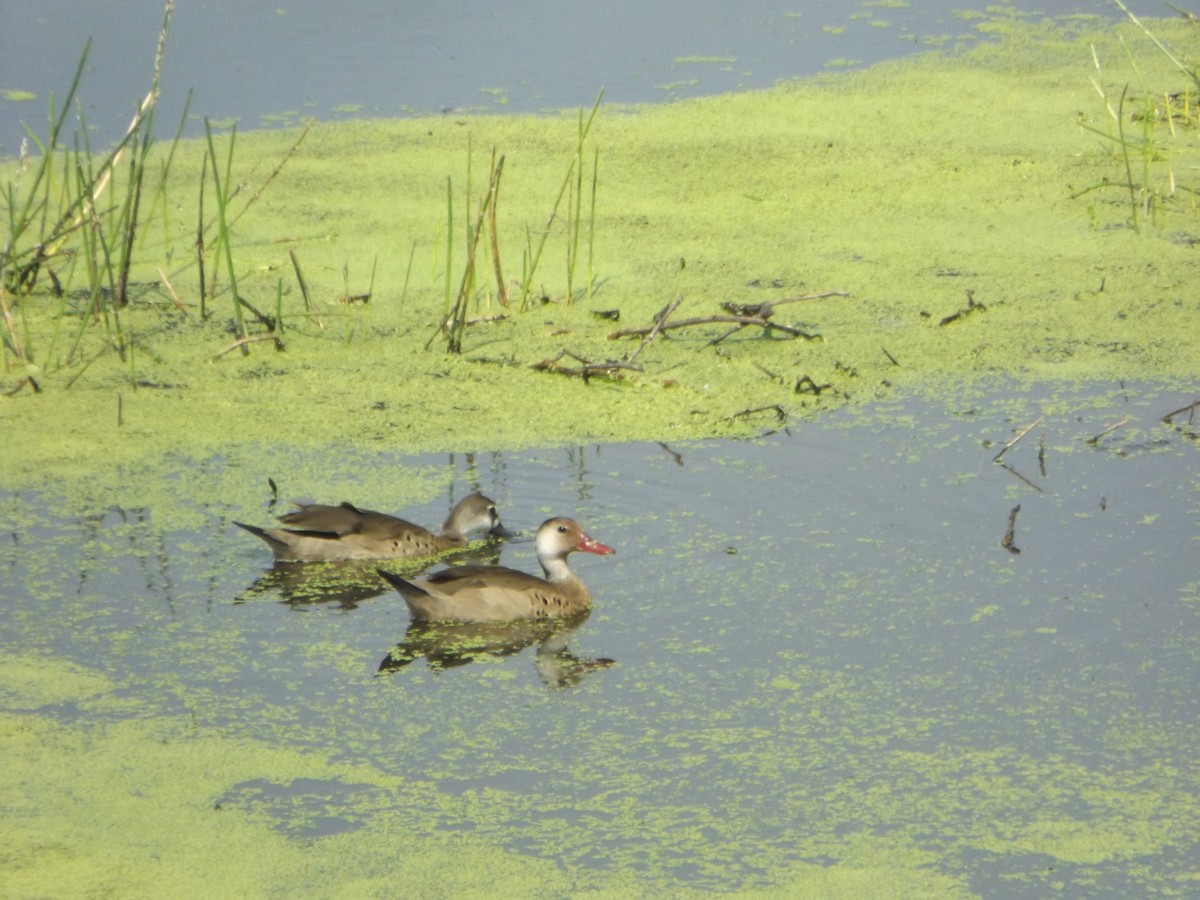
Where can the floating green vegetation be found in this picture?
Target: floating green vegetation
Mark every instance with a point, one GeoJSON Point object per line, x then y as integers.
{"type": "Point", "coordinates": [864, 192]}
{"type": "Point", "coordinates": [678, 84]}
{"type": "Point", "coordinates": [17, 96]}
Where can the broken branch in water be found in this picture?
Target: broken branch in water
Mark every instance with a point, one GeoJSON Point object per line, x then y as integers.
{"type": "Point", "coordinates": [780, 412]}
{"type": "Point", "coordinates": [27, 380]}
{"type": "Point", "coordinates": [773, 376]}
{"type": "Point", "coordinates": [971, 307]}
{"type": "Point", "coordinates": [162, 276]}
{"type": "Point", "coordinates": [659, 321]}
{"type": "Point", "coordinates": [251, 339]}
{"type": "Point", "coordinates": [805, 385]}
{"type": "Point", "coordinates": [765, 309]}
{"type": "Point", "coordinates": [1190, 409]}
{"type": "Point", "coordinates": [741, 317]}
{"type": "Point", "coordinates": [586, 369]}
{"type": "Point", "coordinates": [678, 457]}
{"type": "Point", "coordinates": [1007, 541]}
{"type": "Point", "coordinates": [1095, 439]}
{"type": "Point", "coordinates": [739, 322]}
{"type": "Point", "coordinates": [1024, 431]}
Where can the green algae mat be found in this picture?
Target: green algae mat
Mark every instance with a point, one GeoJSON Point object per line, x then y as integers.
{"type": "Point", "coordinates": [960, 188]}
{"type": "Point", "coordinates": [920, 227]}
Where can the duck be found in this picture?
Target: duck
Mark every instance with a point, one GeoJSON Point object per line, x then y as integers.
{"type": "Point", "coordinates": [473, 593]}
{"type": "Point", "coordinates": [318, 533]}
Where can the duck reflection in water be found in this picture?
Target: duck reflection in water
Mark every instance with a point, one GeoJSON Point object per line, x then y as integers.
{"type": "Point", "coordinates": [448, 645]}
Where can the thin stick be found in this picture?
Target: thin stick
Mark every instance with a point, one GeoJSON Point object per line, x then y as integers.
{"type": "Point", "coordinates": [765, 309]}
{"type": "Point", "coordinates": [494, 241]}
{"type": "Point", "coordinates": [587, 369]}
{"type": "Point", "coordinates": [274, 172]}
{"type": "Point", "coordinates": [300, 280]}
{"type": "Point", "coordinates": [774, 376]}
{"type": "Point", "coordinates": [11, 325]}
{"type": "Point", "coordinates": [780, 412]}
{"type": "Point", "coordinates": [170, 288]}
{"type": "Point", "coordinates": [1190, 408]}
{"type": "Point", "coordinates": [1094, 439]}
{"type": "Point", "coordinates": [714, 320]}
{"type": "Point", "coordinates": [27, 380]}
{"type": "Point", "coordinates": [662, 320]}
{"type": "Point", "coordinates": [1024, 431]}
{"type": "Point", "coordinates": [252, 339]}
{"type": "Point", "coordinates": [200, 235]}
{"type": "Point", "coordinates": [678, 457]}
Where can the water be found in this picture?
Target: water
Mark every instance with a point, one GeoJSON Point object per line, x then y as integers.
{"type": "Point", "coordinates": [823, 654]}
{"type": "Point", "coordinates": [280, 63]}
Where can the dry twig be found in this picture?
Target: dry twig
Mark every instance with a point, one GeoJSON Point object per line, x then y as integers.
{"type": "Point", "coordinates": [971, 307]}
{"type": "Point", "coordinates": [251, 339]}
{"type": "Point", "coordinates": [741, 317]}
{"type": "Point", "coordinates": [1095, 439]}
{"type": "Point", "coordinates": [1190, 409]}
{"type": "Point", "coordinates": [586, 368]}
{"type": "Point", "coordinates": [659, 321]}
{"type": "Point", "coordinates": [1024, 431]}
{"type": "Point", "coordinates": [738, 323]}
{"type": "Point", "coordinates": [171, 290]}
{"type": "Point", "coordinates": [780, 412]}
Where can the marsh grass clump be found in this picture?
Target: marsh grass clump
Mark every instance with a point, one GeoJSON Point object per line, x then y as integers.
{"type": "Point", "coordinates": [73, 223]}
{"type": "Point", "coordinates": [472, 286]}
{"type": "Point", "coordinates": [1150, 133]}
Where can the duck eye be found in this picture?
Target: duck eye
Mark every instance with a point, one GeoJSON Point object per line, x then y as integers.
{"type": "Point", "coordinates": [562, 529]}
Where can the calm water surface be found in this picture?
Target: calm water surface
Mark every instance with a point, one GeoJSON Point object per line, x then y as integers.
{"type": "Point", "coordinates": [817, 637]}
{"type": "Point", "coordinates": [268, 63]}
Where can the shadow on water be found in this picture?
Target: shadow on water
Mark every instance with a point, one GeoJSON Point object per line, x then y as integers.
{"type": "Point", "coordinates": [828, 649]}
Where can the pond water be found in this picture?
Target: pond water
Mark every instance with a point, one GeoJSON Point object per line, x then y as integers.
{"type": "Point", "coordinates": [281, 62]}
{"type": "Point", "coordinates": [823, 658]}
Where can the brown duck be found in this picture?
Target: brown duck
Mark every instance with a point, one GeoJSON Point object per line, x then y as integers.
{"type": "Point", "coordinates": [317, 533]}
{"type": "Point", "coordinates": [497, 593]}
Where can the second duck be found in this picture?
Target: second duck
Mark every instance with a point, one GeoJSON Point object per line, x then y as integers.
{"type": "Point", "coordinates": [317, 533]}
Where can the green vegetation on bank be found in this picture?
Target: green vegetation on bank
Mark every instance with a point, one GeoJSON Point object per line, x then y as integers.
{"type": "Point", "coordinates": [956, 211]}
